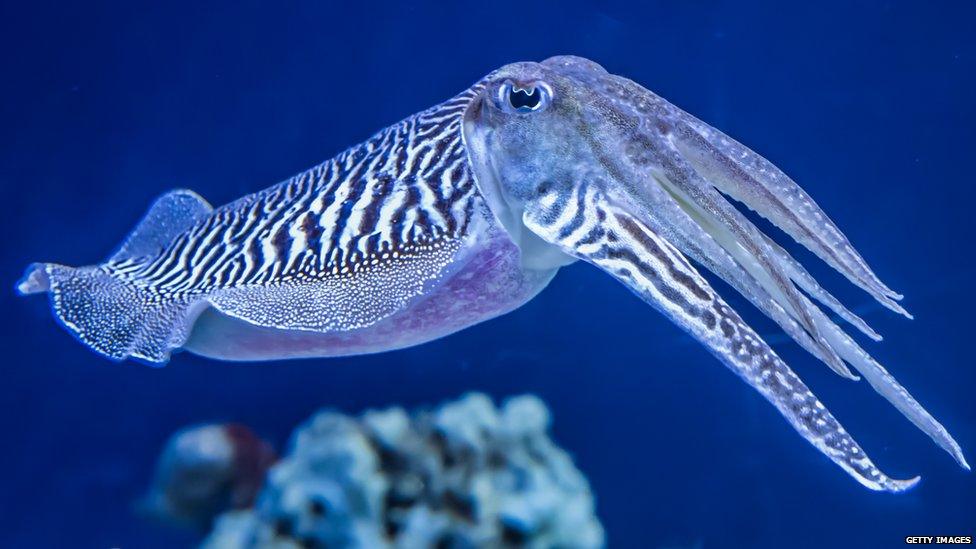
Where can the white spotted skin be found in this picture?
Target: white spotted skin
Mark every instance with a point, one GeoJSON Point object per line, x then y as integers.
{"type": "Point", "coordinates": [488, 281]}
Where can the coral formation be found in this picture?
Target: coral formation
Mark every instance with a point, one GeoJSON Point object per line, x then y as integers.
{"type": "Point", "coordinates": [466, 474]}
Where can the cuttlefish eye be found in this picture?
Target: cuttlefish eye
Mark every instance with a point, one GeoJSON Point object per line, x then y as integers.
{"type": "Point", "coordinates": [524, 98]}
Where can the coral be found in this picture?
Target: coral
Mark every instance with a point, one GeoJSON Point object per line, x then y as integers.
{"type": "Point", "coordinates": [466, 474]}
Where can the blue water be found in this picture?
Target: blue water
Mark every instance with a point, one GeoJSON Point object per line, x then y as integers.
{"type": "Point", "coordinates": [870, 106]}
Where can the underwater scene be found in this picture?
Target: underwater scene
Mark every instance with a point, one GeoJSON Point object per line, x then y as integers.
{"type": "Point", "coordinates": [664, 275]}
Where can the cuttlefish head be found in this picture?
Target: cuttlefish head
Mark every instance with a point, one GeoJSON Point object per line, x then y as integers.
{"type": "Point", "coordinates": [578, 163]}
{"type": "Point", "coordinates": [537, 132]}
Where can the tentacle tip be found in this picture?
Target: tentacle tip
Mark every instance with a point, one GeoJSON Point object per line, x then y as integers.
{"type": "Point", "coordinates": [896, 307]}
{"type": "Point", "coordinates": [869, 331]}
{"type": "Point", "coordinates": [835, 362]}
{"type": "Point", "coordinates": [886, 291]}
{"type": "Point", "coordinates": [961, 459]}
{"type": "Point", "coordinates": [844, 372]}
{"type": "Point", "coordinates": [895, 486]}
{"type": "Point", "coordinates": [950, 445]}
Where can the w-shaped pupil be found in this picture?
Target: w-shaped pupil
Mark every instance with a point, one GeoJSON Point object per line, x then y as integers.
{"type": "Point", "coordinates": [526, 100]}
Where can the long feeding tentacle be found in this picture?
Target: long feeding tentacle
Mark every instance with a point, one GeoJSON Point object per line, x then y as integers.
{"type": "Point", "coordinates": [879, 378]}
{"type": "Point", "coordinates": [696, 161]}
{"type": "Point", "coordinates": [657, 272]}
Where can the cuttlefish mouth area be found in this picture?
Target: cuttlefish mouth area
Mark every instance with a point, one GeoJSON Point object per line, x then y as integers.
{"type": "Point", "coordinates": [642, 187]}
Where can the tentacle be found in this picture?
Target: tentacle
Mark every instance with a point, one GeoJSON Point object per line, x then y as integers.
{"type": "Point", "coordinates": [749, 178]}
{"type": "Point", "coordinates": [693, 155]}
{"type": "Point", "coordinates": [698, 238]}
{"type": "Point", "coordinates": [888, 387]}
{"type": "Point", "coordinates": [740, 238]}
{"type": "Point", "coordinates": [805, 280]}
{"type": "Point", "coordinates": [840, 342]}
{"type": "Point", "coordinates": [626, 248]}
{"type": "Point", "coordinates": [619, 177]}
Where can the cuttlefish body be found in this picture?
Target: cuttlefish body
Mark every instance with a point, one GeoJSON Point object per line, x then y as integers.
{"type": "Point", "coordinates": [464, 212]}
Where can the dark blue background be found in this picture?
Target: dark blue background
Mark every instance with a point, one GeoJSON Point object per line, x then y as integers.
{"type": "Point", "coordinates": [869, 105]}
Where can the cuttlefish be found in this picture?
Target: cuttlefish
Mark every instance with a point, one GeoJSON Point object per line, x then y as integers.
{"type": "Point", "coordinates": [467, 210]}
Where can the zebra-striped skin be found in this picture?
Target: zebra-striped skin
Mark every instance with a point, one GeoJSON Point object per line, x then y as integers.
{"type": "Point", "coordinates": [464, 212]}
{"type": "Point", "coordinates": [404, 191]}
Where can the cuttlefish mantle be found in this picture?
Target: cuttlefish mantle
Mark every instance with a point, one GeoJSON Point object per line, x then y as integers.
{"type": "Point", "coordinates": [465, 211]}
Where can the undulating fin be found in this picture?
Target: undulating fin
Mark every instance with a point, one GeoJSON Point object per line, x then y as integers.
{"type": "Point", "coordinates": [115, 317]}
{"type": "Point", "coordinates": [170, 215]}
